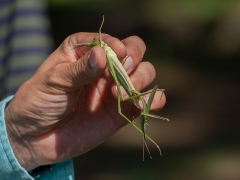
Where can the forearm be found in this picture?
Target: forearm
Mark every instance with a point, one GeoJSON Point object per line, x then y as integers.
{"type": "Point", "coordinates": [18, 143]}
{"type": "Point", "coordinates": [20, 148]}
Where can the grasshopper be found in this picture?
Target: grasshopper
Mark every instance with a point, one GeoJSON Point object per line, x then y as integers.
{"type": "Point", "coordinates": [121, 78]}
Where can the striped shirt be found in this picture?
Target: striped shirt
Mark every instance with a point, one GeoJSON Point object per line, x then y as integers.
{"type": "Point", "coordinates": [25, 41]}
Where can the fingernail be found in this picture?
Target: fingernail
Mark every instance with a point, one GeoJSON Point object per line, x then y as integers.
{"type": "Point", "coordinates": [128, 63]}
{"type": "Point", "coordinates": [92, 60]}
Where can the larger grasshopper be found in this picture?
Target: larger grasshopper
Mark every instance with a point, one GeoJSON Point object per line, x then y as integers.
{"type": "Point", "coordinates": [121, 78]}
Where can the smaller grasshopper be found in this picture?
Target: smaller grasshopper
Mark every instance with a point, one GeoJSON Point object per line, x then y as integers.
{"type": "Point", "coordinates": [121, 78]}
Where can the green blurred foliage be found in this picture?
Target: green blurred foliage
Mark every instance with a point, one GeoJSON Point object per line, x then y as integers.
{"type": "Point", "coordinates": [195, 48]}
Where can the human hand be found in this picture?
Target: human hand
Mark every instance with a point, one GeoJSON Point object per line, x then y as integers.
{"type": "Point", "coordinates": [69, 106]}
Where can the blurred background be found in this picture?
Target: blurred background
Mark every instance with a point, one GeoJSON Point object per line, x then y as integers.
{"type": "Point", "coordinates": [195, 48]}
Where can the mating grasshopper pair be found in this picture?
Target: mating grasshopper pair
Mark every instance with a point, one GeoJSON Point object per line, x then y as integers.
{"type": "Point", "coordinates": [121, 78]}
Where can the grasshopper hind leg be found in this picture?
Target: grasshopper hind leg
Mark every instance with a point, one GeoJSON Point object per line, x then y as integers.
{"type": "Point", "coordinates": [145, 144]}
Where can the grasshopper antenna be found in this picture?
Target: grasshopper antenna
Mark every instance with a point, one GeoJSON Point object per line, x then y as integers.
{"type": "Point", "coordinates": [100, 33]}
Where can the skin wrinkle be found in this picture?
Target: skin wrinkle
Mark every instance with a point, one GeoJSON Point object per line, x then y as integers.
{"type": "Point", "coordinates": [18, 135]}
{"type": "Point", "coordinates": [140, 77]}
{"type": "Point", "coordinates": [151, 69]}
{"type": "Point", "coordinates": [38, 122]}
{"type": "Point", "coordinates": [91, 128]}
{"type": "Point", "coordinates": [40, 114]}
{"type": "Point", "coordinates": [33, 155]}
{"type": "Point", "coordinates": [55, 81]}
{"type": "Point", "coordinates": [54, 77]}
{"type": "Point", "coordinates": [80, 68]}
{"type": "Point", "coordinates": [137, 77]}
{"type": "Point", "coordinates": [61, 79]}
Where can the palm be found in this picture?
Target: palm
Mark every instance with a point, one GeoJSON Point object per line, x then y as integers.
{"type": "Point", "coordinates": [94, 118]}
{"type": "Point", "coordinates": [87, 117]}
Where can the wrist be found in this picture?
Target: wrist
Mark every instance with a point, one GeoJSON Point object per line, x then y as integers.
{"type": "Point", "coordinates": [19, 144]}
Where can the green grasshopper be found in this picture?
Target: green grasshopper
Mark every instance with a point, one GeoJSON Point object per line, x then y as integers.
{"type": "Point", "coordinates": [121, 78]}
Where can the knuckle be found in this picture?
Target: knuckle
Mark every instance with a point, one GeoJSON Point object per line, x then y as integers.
{"type": "Point", "coordinates": [144, 75]}
{"type": "Point", "coordinates": [138, 80]}
{"type": "Point", "coordinates": [137, 48]}
{"type": "Point", "coordinates": [136, 52]}
{"type": "Point", "coordinates": [52, 76]}
{"type": "Point", "coordinates": [150, 69]}
{"type": "Point", "coordinates": [82, 71]}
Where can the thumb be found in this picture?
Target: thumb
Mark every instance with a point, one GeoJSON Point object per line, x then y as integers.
{"type": "Point", "coordinates": [86, 69]}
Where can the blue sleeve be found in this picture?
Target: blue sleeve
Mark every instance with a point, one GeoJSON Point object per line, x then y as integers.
{"type": "Point", "coordinates": [11, 169]}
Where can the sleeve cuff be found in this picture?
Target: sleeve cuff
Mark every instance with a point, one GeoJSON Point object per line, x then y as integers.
{"type": "Point", "coordinates": [11, 169]}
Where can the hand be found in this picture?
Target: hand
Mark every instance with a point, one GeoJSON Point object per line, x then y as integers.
{"type": "Point", "coordinates": [69, 106]}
